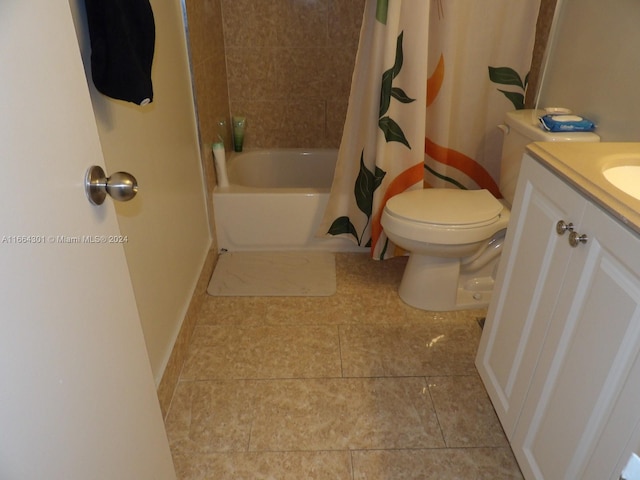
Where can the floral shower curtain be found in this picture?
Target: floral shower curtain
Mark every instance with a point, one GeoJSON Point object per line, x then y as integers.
{"type": "Point", "coordinates": [432, 81]}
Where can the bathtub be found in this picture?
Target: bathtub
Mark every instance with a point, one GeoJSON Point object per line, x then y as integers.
{"type": "Point", "coordinates": [275, 201]}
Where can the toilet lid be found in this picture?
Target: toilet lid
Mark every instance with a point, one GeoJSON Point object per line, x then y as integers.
{"type": "Point", "coordinates": [445, 206]}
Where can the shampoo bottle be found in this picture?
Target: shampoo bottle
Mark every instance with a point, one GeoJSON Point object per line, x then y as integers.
{"type": "Point", "coordinates": [239, 124]}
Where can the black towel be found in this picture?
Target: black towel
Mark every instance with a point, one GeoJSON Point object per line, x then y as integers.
{"type": "Point", "coordinates": [122, 34]}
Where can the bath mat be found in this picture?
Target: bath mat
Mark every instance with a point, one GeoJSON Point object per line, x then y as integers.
{"type": "Point", "coordinates": [274, 274]}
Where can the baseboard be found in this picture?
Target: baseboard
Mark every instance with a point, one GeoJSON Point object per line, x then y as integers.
{"type": "Point", "coordinates": [172, 371]}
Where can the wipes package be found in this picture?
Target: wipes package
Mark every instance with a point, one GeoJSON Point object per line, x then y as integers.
{"type": "Point", "coordinates": [566, 123]}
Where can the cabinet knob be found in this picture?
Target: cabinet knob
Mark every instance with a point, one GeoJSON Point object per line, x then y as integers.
{"type": "Point", "coordinates": [562, 227]}
{"type": "Point", "coordinates": [576, 239]}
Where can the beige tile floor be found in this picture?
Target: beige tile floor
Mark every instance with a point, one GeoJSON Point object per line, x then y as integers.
{"type": "Point", "coordinates": [353, 386]}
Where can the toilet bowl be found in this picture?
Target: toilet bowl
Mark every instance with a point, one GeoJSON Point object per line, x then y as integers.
{"type": "Point", "coordinates": [454, 237]}
{"type": "Point", "coordinates": [448, 232]}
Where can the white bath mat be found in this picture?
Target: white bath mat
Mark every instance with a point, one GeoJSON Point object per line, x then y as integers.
{"type": "Point", "coordinates": [273, 274]}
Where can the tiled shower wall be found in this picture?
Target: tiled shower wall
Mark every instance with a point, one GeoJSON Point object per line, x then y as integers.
{"type": "Point", "coordinates": [289, 67]}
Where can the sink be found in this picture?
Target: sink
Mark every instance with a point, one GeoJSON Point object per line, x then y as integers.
{"type": "Point", "coordinates": [625, 178]}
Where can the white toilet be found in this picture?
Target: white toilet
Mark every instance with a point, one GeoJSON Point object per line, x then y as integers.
{"type": "Point", "coordinates": [454, 237]}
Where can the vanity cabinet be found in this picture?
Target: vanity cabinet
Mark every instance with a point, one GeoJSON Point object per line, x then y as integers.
{"type": "Point", "coordinates": [559, 354]}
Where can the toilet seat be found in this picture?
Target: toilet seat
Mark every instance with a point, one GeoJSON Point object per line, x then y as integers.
{"type": "Point", "coordinates": [445, 216]}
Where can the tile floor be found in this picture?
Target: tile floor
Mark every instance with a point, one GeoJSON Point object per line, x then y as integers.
{"type": "Point", "coordinates": [353, 386]}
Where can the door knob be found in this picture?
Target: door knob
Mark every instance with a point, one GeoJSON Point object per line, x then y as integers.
{"type": "Point", "coordinates": [121, 186]}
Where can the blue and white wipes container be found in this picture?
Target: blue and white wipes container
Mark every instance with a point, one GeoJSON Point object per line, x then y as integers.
{"type": "Point", "coordinates": [566, 123]}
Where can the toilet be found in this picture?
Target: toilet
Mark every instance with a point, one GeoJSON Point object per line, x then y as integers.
{"type": "Point", "coordinates": [454, 237]}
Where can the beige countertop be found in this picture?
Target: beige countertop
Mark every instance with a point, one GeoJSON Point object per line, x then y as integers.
{"type": "Point", "coordinates": [582, 166]}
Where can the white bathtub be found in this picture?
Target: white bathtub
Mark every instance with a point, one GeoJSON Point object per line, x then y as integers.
{"type": "Point", "coordinates": [275, 201]}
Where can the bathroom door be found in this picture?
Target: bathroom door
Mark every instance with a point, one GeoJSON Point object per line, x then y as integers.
{"type": "Point", "coordinates": [77, 397]}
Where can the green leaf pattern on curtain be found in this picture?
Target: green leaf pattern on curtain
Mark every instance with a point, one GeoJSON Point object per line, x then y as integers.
{"type": "Point", "coordinates": [365, 185]}
{"type": "Point", "coordinates": [382, 8]}
{"type": "Point", "coordinates": [367, 181]}
{"type": "Point", "coordinates": [390, 128]}
{"type": "Point", "coordinates": [508, 76]}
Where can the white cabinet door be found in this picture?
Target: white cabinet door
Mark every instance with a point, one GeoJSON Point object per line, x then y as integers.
{"type": "Point", "coordinates": [77, 398]}
{"type": "Point", "coordinates": [574, 413]}
{"type": "Point", "coordinates": [528, 282]}
{"type": "Point", "coordinates": [560, 354]}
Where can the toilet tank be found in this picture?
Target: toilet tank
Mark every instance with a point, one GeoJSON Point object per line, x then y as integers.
{"type": "Point", "coordinates": [521, 128]}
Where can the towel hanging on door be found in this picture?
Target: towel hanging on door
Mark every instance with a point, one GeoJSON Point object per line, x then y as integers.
{"type": "Point", "coordinates": [122, 34]}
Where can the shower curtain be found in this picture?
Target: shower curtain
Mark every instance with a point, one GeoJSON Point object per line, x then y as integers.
{"type": "Point", "coordinates": [432, 80]}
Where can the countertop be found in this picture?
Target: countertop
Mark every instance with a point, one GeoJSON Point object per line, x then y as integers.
{"type": "Point", "coordinates": [582, 164]}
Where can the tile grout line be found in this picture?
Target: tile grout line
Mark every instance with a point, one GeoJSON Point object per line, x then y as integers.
{"type": "Point", "coordinates": [340, 351]}
{"type": "Point", "coordinates": [435, 410]}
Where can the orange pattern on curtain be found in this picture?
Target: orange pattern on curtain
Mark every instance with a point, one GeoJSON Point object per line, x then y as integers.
{"type": "Point", "coordinates": [434, 82]}
{"type": "Point", "coordinates": [463, 163]}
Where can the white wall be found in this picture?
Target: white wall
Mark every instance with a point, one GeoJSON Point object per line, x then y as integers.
{"type": "Point", "coordinates": [166, 223]}
{"type": "Point", "coordinates": [594, 66]}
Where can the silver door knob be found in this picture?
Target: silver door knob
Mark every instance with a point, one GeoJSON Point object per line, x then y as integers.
{"type": "Point", "coordinates": [121, 186]}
